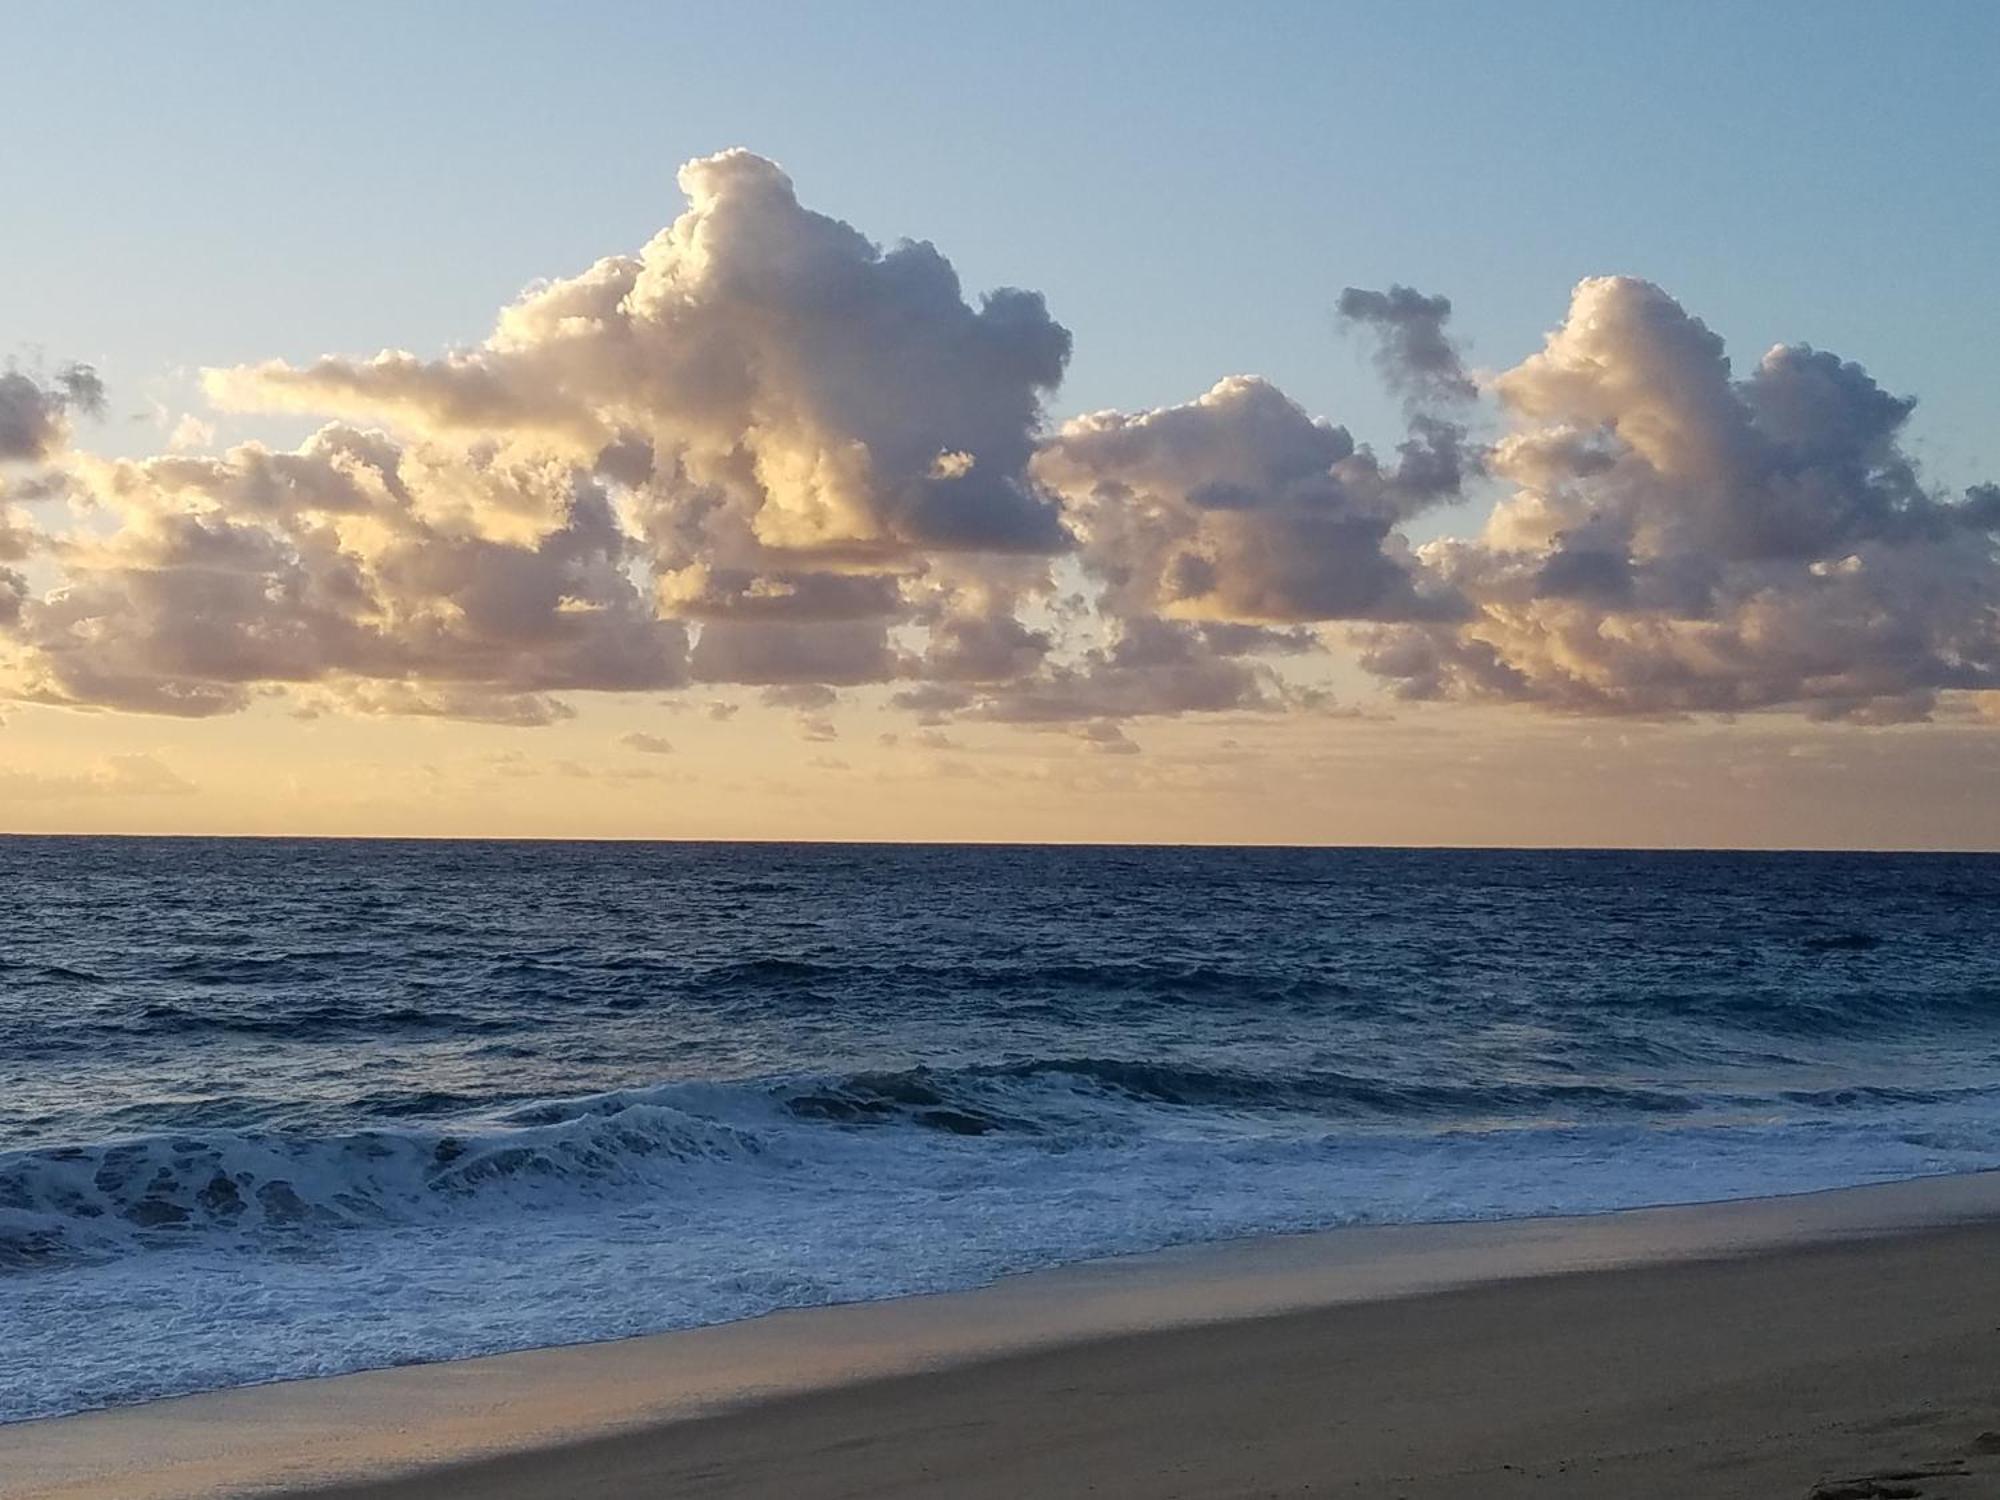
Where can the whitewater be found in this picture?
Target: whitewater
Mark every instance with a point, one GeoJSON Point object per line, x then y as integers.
{"type": "Point", "coordinates": [271, 1109]}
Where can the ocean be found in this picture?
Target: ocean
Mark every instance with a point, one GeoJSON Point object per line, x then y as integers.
{"type": "Point", "coordinates": [272, 1109]}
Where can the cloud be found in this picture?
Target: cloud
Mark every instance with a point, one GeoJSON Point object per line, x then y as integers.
{"type": "Point", "coordinates": [1238, 506]}
{"type": "Point", "coordinates": [764, 450]}
{"type": "Point", "coordinates": [81, 389]}
{"type": "Point", "coordinates": [767, 451]}
{"type": "Point", "coordinates": [1106, 738]}
{"type": "Point", "coordinates": [19, 535]}
{"type": "Point", "coordinates": [1679, 540]}
{"type": "Point", "coordinates": [1153, 667]}
{"type": "Point", "coordinates": [761, 654]}
{"type": "Point", "coordinates": [477, 705]}
{"type": "Point", "coordinates": [703, 592]}
{"type": "Point", "coordinates": [34, 416]}
{"type": "Point", "coordinates": [932, 703]}
{"type": "Point", "coordinates": [802, 695]}
{"type": "Point", "coordinates": [797, 424]}
{"type": "Point", "coordinates": [347, 565]}
{"type": "Point", "coordinates": [1412, 351]}
{"type": "Point", "coordinates": [646, 744]}
{"type": "Point", "coordinates": [755, 358]}
{"type": "Point", "coordinates": [984, 648]}
{"type": "Point", "coordinates": [190, 434]}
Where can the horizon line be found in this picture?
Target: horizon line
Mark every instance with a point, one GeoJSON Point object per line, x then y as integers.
{"type": "Point", "coordinates": [1945, 851]}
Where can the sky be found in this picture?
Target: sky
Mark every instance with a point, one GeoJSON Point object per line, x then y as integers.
{"type": "Point", "coordinates": [1616, 524]}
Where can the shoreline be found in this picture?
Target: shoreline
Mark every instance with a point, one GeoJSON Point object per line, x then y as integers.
{"type": "Point", "coordinates": [655, 1399]}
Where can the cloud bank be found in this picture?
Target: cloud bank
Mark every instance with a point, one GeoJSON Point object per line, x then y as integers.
{"type": "Point", "coordinates": [1679, 540]}
{"type": "Point", "coordinates": [767, 451]}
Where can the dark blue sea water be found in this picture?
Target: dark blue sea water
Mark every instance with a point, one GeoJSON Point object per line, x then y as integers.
{"type": "Point", "coordinates": [271, 1109]}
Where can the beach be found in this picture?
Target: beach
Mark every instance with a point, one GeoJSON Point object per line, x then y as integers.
{"type": "Point", "coordinates": [1840, 1344]}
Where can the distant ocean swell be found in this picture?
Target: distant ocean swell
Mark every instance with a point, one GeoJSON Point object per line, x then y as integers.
{"type": "Point", "coordinates": [237, 994]}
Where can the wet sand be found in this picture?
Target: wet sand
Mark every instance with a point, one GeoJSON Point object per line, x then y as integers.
{"type": "Point", "coordinates": [1844, 1345]}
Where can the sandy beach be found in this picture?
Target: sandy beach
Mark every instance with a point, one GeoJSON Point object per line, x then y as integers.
{"type": "Point", "coordinates": [1857, 1371]}
{"type": "Point", "coordinates": [1838, 1345]}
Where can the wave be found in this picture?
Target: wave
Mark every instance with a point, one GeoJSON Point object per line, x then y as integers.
{"type": "Point", "coordinates": [1836, 983]}
{"type": "Point", "coordinates": [1841, 942]}
{"type": "Point", "coordinates": [977, 1098]}
{"type": "Point", "coordinates": [1849, 1014]}
{"type": "Point", "coordinates": [87, 1202]}
{"type": "Point", "coordinates": [221, 970]}
{"type": "Point", "coordinates": [307, 1023]}
{"type": "Point", "coordinates": [107, 1198]}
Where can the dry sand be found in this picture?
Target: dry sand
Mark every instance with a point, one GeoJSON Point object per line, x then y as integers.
{"type": "Point", "coordinates": [1781, 1364]}
{"type": "Point", "coordinates": [1853, 1371]}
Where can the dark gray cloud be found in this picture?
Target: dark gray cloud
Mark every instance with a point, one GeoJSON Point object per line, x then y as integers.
{"type": "Point", "coordinates": [775, 653]}
{"type": "Point", "coordinates": [1154, 667]}
{"type": "Point", "coordinates": [82, 389]}
{"type": "Point", "coordinates": [932, 702]}
{"type": "Point", "coordinates": [646, 744]}
{"type": "Point", "coordinates": [34, 415]}
{"type": "Point", "coordinates": [18, 535]}
{"type": "Point", "coordinates": [1225, 639]}
{"type": "Point", "coordinates": [805, 696]}
{"type": "Point", "coordinates": [1412, 350]}
{"type": "Point", "coordinates": [987, 648]}
{"type": "Point", "coordinates": [705, 593]}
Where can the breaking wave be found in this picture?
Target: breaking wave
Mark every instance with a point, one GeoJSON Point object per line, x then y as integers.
{"type": "Point", "coordinates": [150, 1192]}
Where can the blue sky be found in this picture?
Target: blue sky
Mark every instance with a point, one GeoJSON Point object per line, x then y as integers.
{"type": "Point", "coordinates": [1190, 187]}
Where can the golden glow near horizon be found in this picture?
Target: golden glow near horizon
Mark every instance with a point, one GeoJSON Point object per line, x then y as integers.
{"type": "Point", "coordinates": [1426, 776]}
{"type": "Point", "coordinates": [762, 532]}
